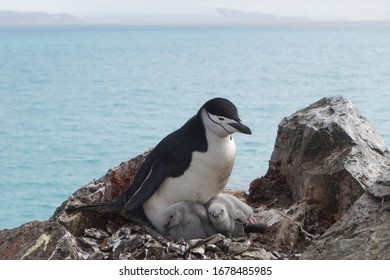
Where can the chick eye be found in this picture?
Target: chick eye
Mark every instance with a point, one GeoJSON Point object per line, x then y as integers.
{"type": "Point", "coordinates": [221, 119]}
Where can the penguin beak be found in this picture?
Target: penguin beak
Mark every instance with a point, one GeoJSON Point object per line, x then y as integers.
{"type": "Point", "coordinates": [240, 127]}
{"type": "Point", "coordinates": [167, 226]}
{"type": "Point", "coordinates": [215, 214]}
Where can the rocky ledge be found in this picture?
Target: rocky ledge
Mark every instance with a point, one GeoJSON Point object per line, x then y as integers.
{"type": "Point", "coordinates": [326, 195]}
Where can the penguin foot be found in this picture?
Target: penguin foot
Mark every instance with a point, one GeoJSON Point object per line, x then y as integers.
{"type": "Point", "coordinates": [251, 220]}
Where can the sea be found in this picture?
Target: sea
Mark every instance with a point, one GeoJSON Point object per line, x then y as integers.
{"type": "Point", "coordinates": [79, 100]}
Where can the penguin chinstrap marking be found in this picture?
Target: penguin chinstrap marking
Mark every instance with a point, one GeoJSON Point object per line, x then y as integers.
{"type": "Point", "coordinates": [187, 220]}
{"type": "Point", "coordinates": [191, 164]}
{"type": "Point", "coordinates": [229, 215]}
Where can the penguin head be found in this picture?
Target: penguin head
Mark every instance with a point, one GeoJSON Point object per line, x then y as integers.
{"type": "Point", "coordinates": [172, 217]}
{"type": "Point", "coordinates": [220, 116]}
{"type": "Point", "coordinates": [217, 213]}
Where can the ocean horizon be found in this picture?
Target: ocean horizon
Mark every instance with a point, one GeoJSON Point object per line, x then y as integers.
{"type": "Point", "coordinates": [79, 100]}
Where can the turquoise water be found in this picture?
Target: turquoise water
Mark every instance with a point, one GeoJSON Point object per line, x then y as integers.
{"type": "Point", "coordinates": [78, 101]}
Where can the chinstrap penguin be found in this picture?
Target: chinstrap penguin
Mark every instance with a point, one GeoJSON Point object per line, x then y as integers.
{"type": "Point", "coordinates": [187, 220]}
{"type": "Point", "coordinates": [229, 215]}
{"type": "Point", "coordinates": [191, 164]}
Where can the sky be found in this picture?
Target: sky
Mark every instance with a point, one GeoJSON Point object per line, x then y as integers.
{"type": "Point", "coordinates": [312, 9]}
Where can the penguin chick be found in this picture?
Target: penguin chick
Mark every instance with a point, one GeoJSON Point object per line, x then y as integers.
{"type": "Point", "coordinates": [227, 214]}
{"type": "Point", "coordinates": [187, 220]}
{"type": "Point", "coordinates": [220, 218]}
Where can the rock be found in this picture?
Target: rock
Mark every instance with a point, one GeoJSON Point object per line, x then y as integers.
{"type": "Point", "coordinates": [95, 233]}
{"type": "Point", "coordinates": [106, 188]}
{"type": "Point", "coordinates": [212, 248]}
{"type": "Point", "coordinates": [225, 243]}
{"type": "Point", "coordinates": [214, 239]}
{"type": "Point", "coordinates": [198, 250]}
{"type": "Point", "coordinates": [195, 242]}
{"type": "Point", "coordinates": [326, 157]}
{"type": "Point", "coordinates": [38, 240]}
{"type": "Point", "coordinates": [282, 232]}
{"type": "Point", "coordinates": [261, 254]}
{"type": "Point", "coordinates": [237, 248]}
{"type": "Point", "coordinates": [363, 233]}
{"type": "Point", "coordinates": [381, 188]}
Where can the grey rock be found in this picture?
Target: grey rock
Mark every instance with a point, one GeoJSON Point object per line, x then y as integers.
{"type": "Point", "coordinates": [38, 240]}
{"type": "Point", "coordinates": [212, 248]}
{"type": "Point", "coordinates": [225, 244]}
{"type": "Point", "coordinates": [326, 157]}
{"type": "Point", "coordinates": [237, 248]}
{"type": "Point", "coordinates": [381, 188]}
{"type": "Point", "coordinates": [363, 233]}
{"type": "Point", "coordinates": [200, 250]}
{"type": "Point", "coordinates": [260, 254]}
{"type": "Point", "coordinates": [195, 242]}
{"type": "Point", "coordinates": [95, 233]}
{"type": "Point", "coordinates": [155, 248]}
{"type": "Point", "coordinates": [214, 239]}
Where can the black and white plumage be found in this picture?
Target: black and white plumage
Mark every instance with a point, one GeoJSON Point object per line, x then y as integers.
{"type": "Point", "coordinates": [187, 220]}
{"type": "Point", "coordinates": [191, 164]}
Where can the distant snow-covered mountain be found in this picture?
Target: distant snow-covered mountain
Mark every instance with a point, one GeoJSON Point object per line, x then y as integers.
{"type": "Point", "coordinates": [254, 17]}
{"type": "Point", "coordinates": [217, 16]}
{"type": "Point", "coordinates": [36, 18]}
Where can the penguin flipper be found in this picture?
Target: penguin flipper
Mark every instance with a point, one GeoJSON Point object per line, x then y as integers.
{"type": "Point", "coordinates": [102, 207]}
{"type": "Point", "coordinates": [158, 172]}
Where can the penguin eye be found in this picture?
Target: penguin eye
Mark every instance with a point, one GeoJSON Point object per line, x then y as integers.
{"type": "Point", "coordinates": [221, 119]}
{"type": "Point", "coordinates": [171, 216]}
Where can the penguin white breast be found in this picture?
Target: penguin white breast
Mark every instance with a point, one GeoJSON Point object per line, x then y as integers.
{"type": "Point", "coordinates": [206, 176]}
